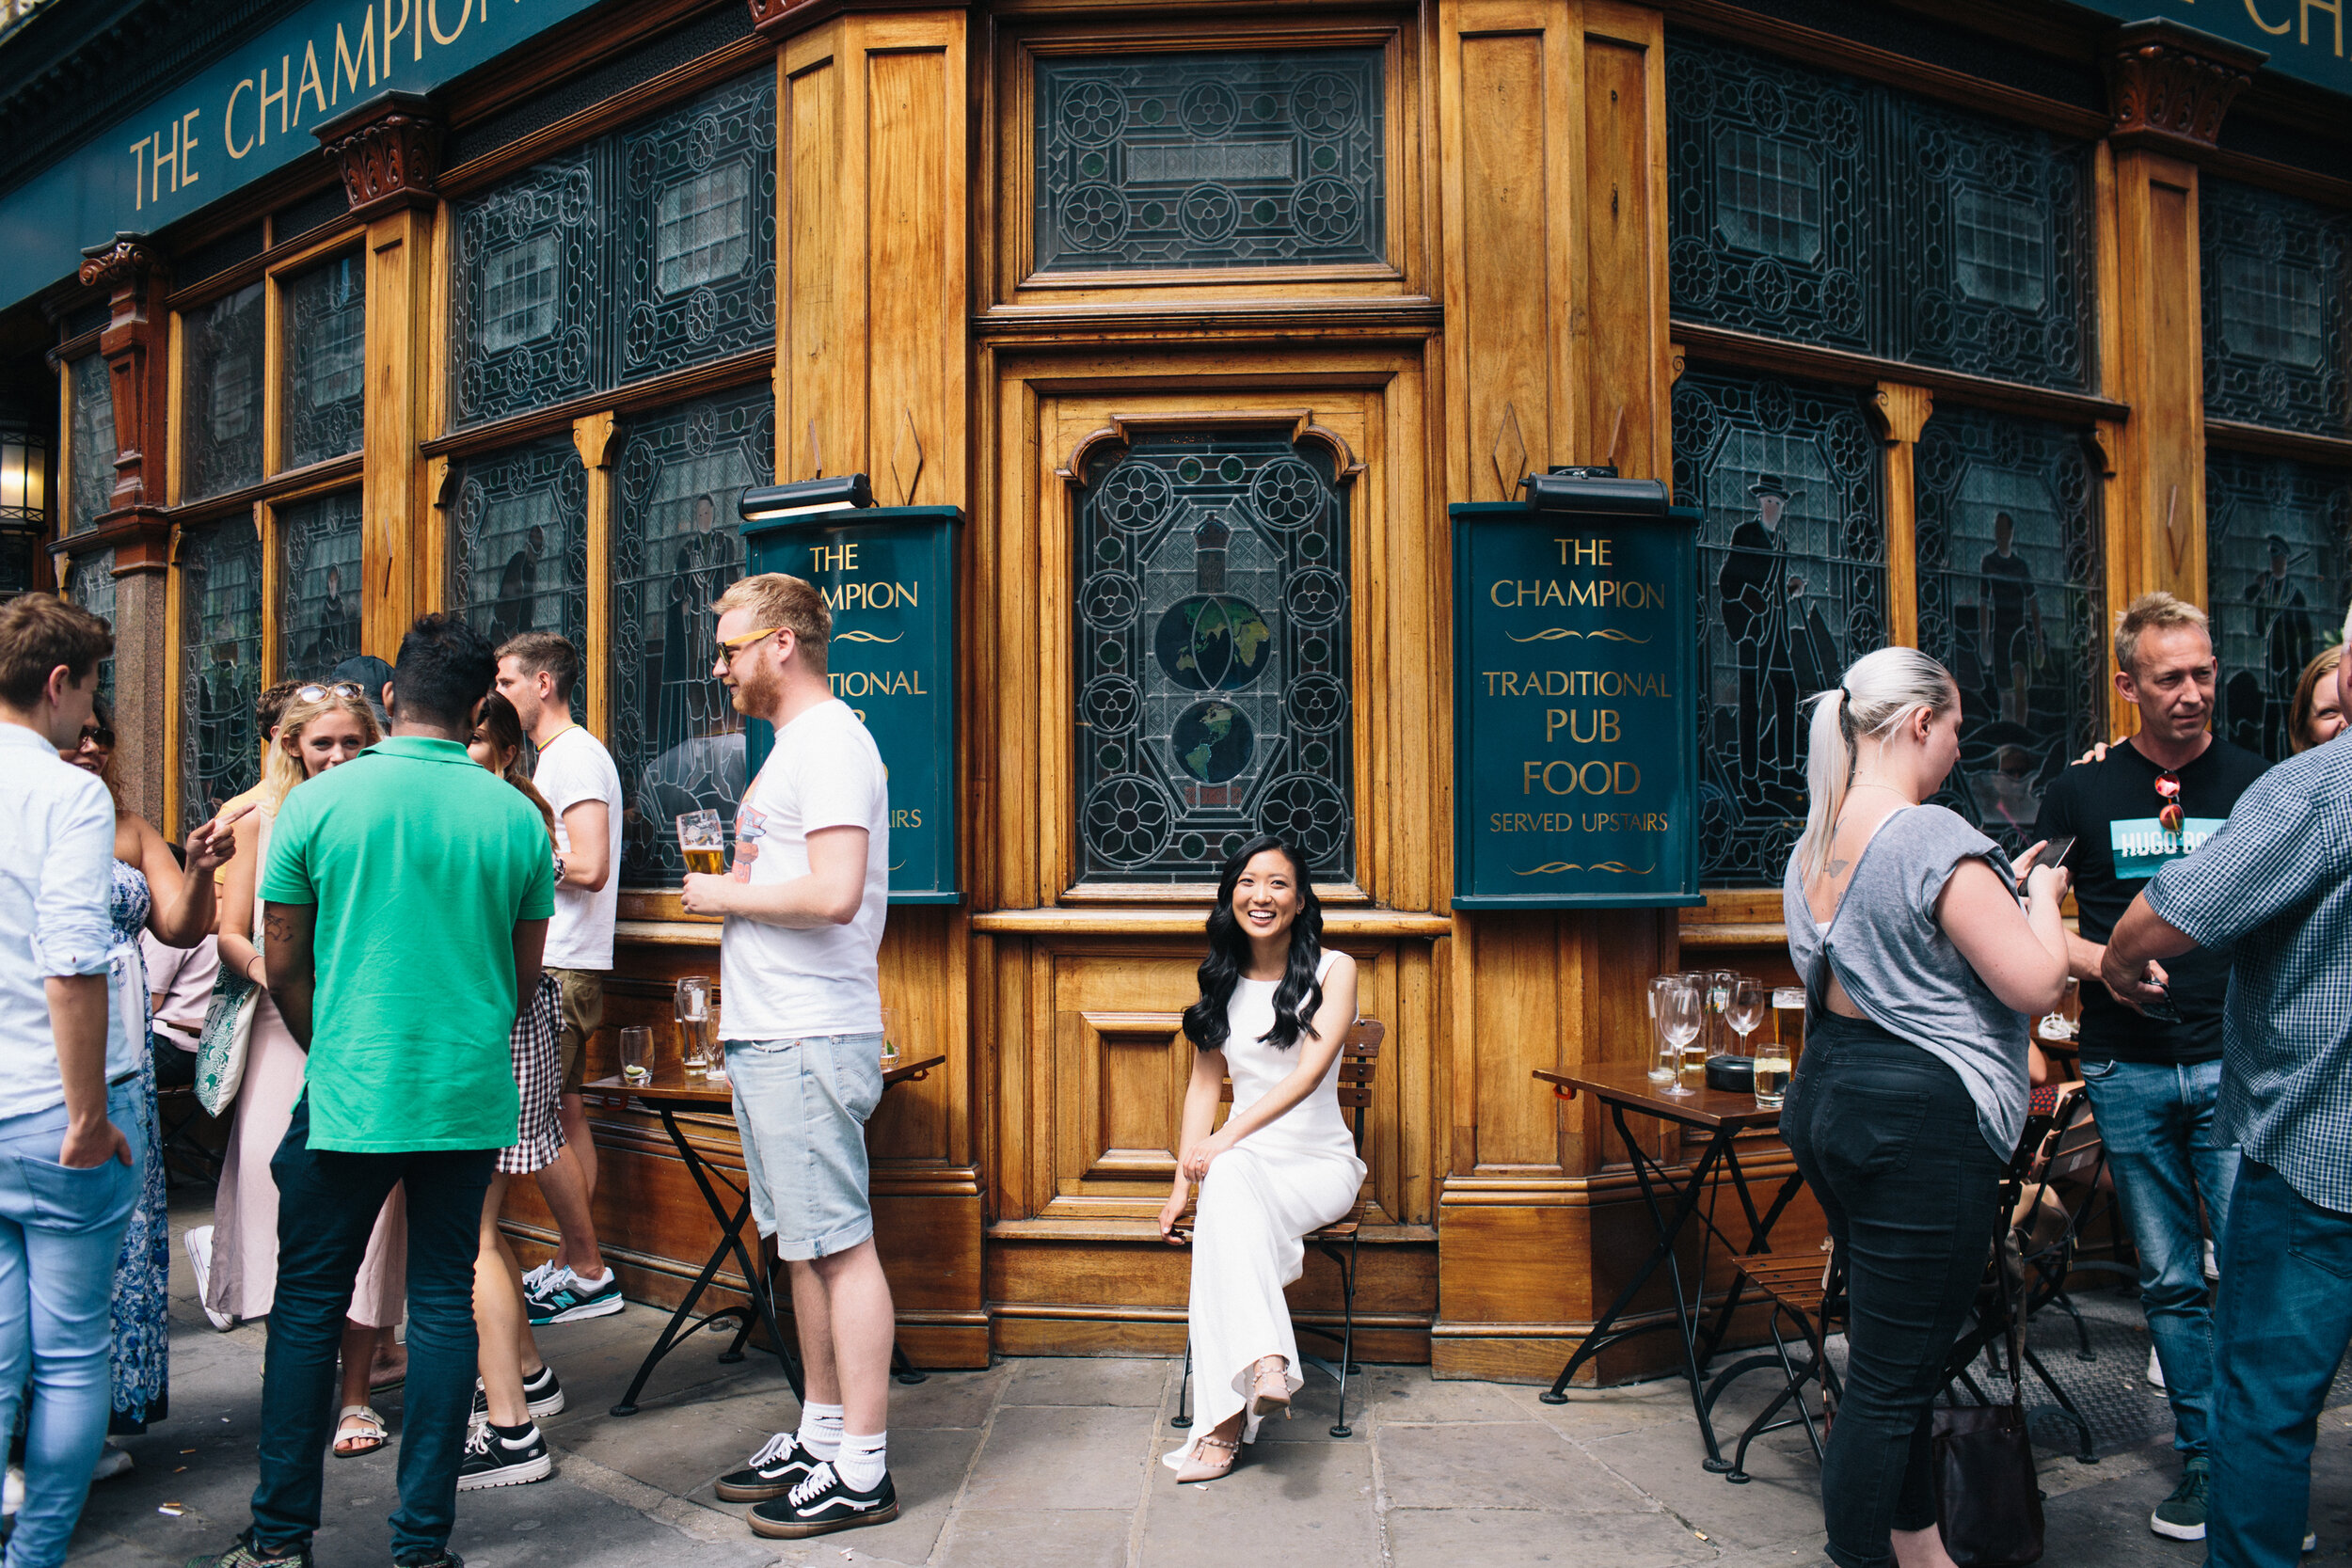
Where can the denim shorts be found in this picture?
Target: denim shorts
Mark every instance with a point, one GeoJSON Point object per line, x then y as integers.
{"type": "Point", "coordinates": [801, 1107]}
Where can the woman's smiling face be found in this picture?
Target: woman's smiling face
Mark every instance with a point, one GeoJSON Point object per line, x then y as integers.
{"type": "Point", "coordinates": [1266, 896]}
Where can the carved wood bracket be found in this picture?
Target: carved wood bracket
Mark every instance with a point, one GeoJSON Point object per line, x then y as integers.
{"type": "Point", "coordinates": [130, 269]}
{"type": "Point", "coordinates": [1124, 428]}
{"type": "Point", "coordinates": [389, 150]}
{"type": "Point", "coordinates": [2169, 86]}
{"type": "Point", "coordinates": [1900, 411]}
{"type": "Point", "coordinates": [140, 536]}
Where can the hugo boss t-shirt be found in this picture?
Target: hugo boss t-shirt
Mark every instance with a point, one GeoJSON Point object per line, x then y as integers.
{"type": "Point", "coordinates": [779, 984]}
{"type": "Point", "coordinates": [2111, 807]}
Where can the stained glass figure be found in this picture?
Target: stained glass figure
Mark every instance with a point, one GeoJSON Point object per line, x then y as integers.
{"type": "Point", "coordinates": [90, 583]}
{"type": "Point", "coordinates": [222, 395]}
{"type": "Point", "coordinates": [675, 736]}
{"type": "Point", "coordinates": [1793, 587]}
{"type": "Point", "coordinates": [324, 395]}
{"type": "Point", "coordinates": [2275, 279]}
{"type": "Point", "coordinates": [1242, 159]}
{"type": "Point", "coordinates": [2011, 602]}
{"type": "Point", "coordinates": [91, 461]}
{"type": "Point", "coordinates": [318, 584]}
{"type": "Point", "coordinates": [1213, 657]}
{"type": "Point", "coordinates": [518, 541]}
{"type": "Point", "coordinates": [220, 663]}
{"type": "Point", "coordinates": [2277, 532]}
{"type": "Point", "coordinates": [697, 231]}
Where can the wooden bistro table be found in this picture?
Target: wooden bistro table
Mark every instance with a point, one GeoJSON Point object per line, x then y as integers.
{"type": "Point", "coordinates": [1722, 1115]}
{"type": "Point", "coordinates": [669, 1093]}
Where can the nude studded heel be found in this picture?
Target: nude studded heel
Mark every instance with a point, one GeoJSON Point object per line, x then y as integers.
{"type": "Point", "coordinates": [1270, 1390]}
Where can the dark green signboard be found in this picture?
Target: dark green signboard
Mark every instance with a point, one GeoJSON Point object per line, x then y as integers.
{"type": "Point", "coordinates": [1575, 741]}
{"type": "Point", "coordinates": [888, 572]}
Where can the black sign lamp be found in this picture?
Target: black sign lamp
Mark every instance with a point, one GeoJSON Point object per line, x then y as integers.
{"type": "Point", "coordinates": [806, 497]}
{"type": "Point", "coordinates": [23, 503]}
{"type": "Point", "coordinates": [1592, 489]}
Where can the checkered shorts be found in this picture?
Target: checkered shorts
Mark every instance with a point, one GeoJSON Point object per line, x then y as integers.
{"type": "Point", "coordinates": [539, 1075]}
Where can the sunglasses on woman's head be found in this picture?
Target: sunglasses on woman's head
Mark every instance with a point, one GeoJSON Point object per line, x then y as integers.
{"type": "Point", "coordinates": [340, 688]}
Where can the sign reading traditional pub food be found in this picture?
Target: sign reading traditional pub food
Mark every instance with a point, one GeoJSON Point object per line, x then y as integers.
{"type": "Point", "coordinates": [888, 575]}
{"type": "Point", "coordinates": [1574, 662]}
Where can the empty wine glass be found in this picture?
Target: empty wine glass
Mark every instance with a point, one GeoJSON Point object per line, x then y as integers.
{"type": "Point", "coordinates": [1668, 1058]}
{"type": "Point", "coordinates": [1746, 1008]}
{"type": "Point", "coordinates": [1681, 1012]}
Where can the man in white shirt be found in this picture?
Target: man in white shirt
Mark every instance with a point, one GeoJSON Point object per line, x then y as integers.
{"type": "Point", "coordinates": [68, 1076]}
{"type": "Point", "coordinates": [538, 673]}
{"type": "Point", "coordinates": [802, 1021]}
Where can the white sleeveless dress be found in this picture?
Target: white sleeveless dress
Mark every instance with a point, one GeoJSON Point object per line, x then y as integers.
{"type": "Point", "coordinates": [1263, 1197]}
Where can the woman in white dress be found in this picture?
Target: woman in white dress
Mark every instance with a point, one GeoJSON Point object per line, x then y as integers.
{"type": "Point", "coordinates": [1274, 1010]}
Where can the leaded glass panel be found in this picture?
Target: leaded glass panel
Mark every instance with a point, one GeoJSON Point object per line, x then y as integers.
{"type": "Point", "coordinates": [220, 446]}
{"type": "Point", "coordinates": [1792, 588]}
{"type": "Point", "coordinates": [2010, 600]}
{"type": "Point", "coordinates": [325, 396]}
{"type": "Point", "coordinates": [1213, 686]}
{"type": "Point", "coordinates": [318, 584]}
{"type": "Point", "coordinates": [220, 663]}
{"type": "Point", "coordinates": [2277, 533]}
{"type": "Point", "coordinates": [90, 460]}
{"type": "Point", "coordinates": [675, 737]}
{"type": "Point", "coordinates": [1241, 159]}
{"type": "Point", "coordinates": [2273, 309]}
{"type": "Point", "coordinates": [529, 291]}
{"type": "Point", "coordinates": [518, 546]}
{"type": "Point", "coordinates": [90, 583]}
{"type": "Point", "coordinates": [697, 237]}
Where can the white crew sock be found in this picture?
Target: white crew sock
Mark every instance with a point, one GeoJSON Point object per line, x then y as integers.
{"type": "Point", "coordinates": [863, 1461]}
{"type": "Point", "coordinates": [821, 1429]}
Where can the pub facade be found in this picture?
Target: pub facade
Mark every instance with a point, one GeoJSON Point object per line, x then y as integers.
{"type": "Point", "coordinates": [1960, 325]}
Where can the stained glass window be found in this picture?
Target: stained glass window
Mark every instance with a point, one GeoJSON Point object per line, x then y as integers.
{"type": "Point", "coordinates": [90, 583]}
{"type": "Point", "coordinates": [222, 395]}
{"type": "Point", "coordinates": [325, 394]}
{"type": "Point", "coordinates": [1793, 587]}
{"type": "Point", "coordinates": [697, 239]}
{"type": "Point", "coordinates": [2275, 302]}
{"type": "Point", "coordinates": [90, 459]}
{"type": "Point", "coordinates": [518, 541]}
{"type": "Point", "coordinates": [2277, 533]}
{"type": "Point", "coordinates": [1247, 159]}
{"type": "Point", "coordinates": [2010, 600]}
{"type": "Point", "coordinates": [220, 663]}
{"type": "Point", "coordinates": [528, 289]}
{"type": "Point", "coordinates": [318, 584]}
{"type": "Point", "coordinates": [675, 737]}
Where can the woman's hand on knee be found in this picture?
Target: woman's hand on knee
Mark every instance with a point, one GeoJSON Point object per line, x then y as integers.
{"type": "Point", "coordinates": [1196, 1160]}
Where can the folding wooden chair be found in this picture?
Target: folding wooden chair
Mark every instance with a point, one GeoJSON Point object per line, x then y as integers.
{"type": "Point", "coordinates": [1807, 1290]}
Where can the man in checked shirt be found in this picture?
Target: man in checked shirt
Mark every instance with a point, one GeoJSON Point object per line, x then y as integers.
{"type": "Point", "coordinates": [2275, 886]}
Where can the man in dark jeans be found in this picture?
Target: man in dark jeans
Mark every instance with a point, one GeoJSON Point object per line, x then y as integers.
{"type": "Point", "coordinates": [404, 905]}
{"type": "Point", "coordinates": [2155, 1083]}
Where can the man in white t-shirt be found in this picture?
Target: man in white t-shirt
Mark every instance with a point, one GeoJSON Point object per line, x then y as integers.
{"type": "Point", "coordinates": [801, 1014]}
{"type": "Point", "coordinates": [537, 673]}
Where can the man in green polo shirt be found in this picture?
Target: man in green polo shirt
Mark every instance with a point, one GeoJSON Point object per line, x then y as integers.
{"type": "Point", "coordinates": [404, 905]}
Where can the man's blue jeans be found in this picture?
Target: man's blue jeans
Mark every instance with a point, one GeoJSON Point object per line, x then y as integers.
{"type": "Point", "coordinates": [60, 1230]}
{"type": "Point", "coordinates": [327, 1201]}
{"type": "Point", "coordinates": [2159, 1125]}
{"type": "Point", "coordinates": [2284, 1317]}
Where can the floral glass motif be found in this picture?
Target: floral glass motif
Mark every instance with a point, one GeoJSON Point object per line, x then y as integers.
{"type": "Point", "coordinates": [222, 395]}
{"type": "Point", "coordinates": [675, 737]}
{"type": "Point", "coordinates": [318, 584]}
{"type": "Point", "coordinates": [220, 663]}
{"type": "Point", "coordinates": [2010, 600]}
{"type": "Point", "coordinates": [90, 460]}
{"type": "Point", "coordinates": [1822, 209]}
{"type": "Point", "coordinates": [2276, 298]}
{"type": "Point", "coordinates": [518, 555]}
{"type": "Point", "coordinates": [1792, 586]}
{"type": "Point", "coordinates": [2276, 534]}
{"type": "Point", "coordinates": [529, 289]}
{"type": "Point", "coordinates": [1213, 665]}
{"type": "Point", "coordinates": [1245, 159]}
{"type": "Point", "coordinates": [90, 583]}
{"type": "Point", "coordinates": [324, 395]}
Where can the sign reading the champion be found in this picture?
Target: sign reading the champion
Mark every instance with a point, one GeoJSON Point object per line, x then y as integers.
{"type": "Point", "coordinates": [1575, 764]}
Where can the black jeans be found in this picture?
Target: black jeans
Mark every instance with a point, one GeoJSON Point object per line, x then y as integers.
{"type": "Point", "coordinates": [1886, 1138]}
{"type": "Point", "coordinates": [327, 1207]}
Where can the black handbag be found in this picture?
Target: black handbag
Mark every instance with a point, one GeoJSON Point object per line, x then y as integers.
{"type": "Point", "coordinates": [1987, 1503]}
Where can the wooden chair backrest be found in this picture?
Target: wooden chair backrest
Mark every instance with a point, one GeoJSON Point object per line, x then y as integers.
{"type": "Point", "coordinates": [1359, 1057]}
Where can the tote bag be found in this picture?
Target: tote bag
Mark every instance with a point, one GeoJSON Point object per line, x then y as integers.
{"type": "Point", "coordinates": [228, 1035]}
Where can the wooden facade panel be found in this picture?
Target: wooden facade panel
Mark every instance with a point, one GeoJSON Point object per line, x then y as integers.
{"type": "Point", "coordinates": [1505, 259]}
{"type": "Point", "coordinates": [811, 232]}
{"type": "Point", "coordinates": [1621, 321]}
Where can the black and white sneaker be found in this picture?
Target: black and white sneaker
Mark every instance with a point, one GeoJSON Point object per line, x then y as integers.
{"type": "Point", "coordinates": [542, 1395]}
{"type": "Point", "coordinates": [492, 1460]}
{"type": "Point", "coordinates": [566, 1298]}
{"type": "Point", "coordinates": [822, 1503]}
{"type": "Point", "coordinates": [780, 1465]}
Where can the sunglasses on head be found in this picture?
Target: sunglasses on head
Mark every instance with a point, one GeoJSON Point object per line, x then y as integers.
{"type": "Point", "coordinates": [340, 689]}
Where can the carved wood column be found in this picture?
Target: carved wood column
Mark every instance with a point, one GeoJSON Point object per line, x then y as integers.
{"type": "Point", "coordinates": [1900, 412]}
{"type": "Point", "coordinates": [387, 151]}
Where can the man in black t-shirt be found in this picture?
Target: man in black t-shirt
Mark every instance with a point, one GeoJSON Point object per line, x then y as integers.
{"type": "Point", "coordinates": [2154, 1084]}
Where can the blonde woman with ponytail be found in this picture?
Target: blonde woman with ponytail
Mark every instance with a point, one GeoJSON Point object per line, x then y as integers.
{"type": "Point", "coordinates": [1920, 969]}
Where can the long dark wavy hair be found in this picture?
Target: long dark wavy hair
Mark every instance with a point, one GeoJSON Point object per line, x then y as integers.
{"type": "Point", "coordinates": [1299, 993]}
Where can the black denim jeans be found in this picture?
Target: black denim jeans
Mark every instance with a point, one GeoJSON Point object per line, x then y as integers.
{"type": "Point", "coordinates": [327, 1207]}
{"type": "Point", "coordinates": [1886, 1138]}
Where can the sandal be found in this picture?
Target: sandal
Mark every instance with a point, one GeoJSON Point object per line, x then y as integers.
{"type": "Point", "coordinates": [1270, 1390]}
{"type": "Point", "coordinates": [1199, 1467]}
{"type": "Point", "coordinates": [360, 1425]}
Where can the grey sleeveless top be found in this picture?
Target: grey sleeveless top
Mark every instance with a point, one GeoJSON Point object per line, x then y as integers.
{"type": "Point", "coordinates": [1902, 971]}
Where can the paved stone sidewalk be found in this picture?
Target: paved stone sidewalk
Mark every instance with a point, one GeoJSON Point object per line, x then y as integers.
{"type": "Point", "coordinates": [1050, 1463]}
